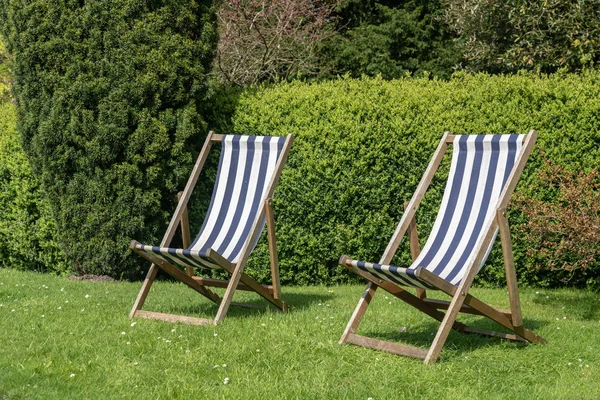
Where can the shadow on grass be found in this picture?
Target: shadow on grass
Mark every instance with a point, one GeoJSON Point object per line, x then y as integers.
{"type": "Point", "coordinates": [245, 307]}
{"type": "Point", "coordinates": [423, 334]}
{"type": "Point", "coordinates": [581, 305]}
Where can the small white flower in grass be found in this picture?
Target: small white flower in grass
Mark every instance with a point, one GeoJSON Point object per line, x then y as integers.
{"type": "Point", "coordinates": [107, 292]}
{"type": "Point", "coordinates": [225, 381]}
{"type": "Point", "coordinates": [258, 350]}
{"type": "Point", "coordinates": [320, 304]}
{"type": "Point", "coordinates": [83, 309]}
{"type": "Point", "coordinates": [72, 376]}
{"type": "Point", "coordinates": [579, 359]}
{"type": "Point", "coordinates": [132, 324]}
{"type": "Point", "coordinates": [136, 363]}
{"type": "Point", "coordinates": [569, 363]}
{"type": "Point", "coordinates": [87, 296]}
{"type": "Point", "coordinates": [215, 334]}
{"type": "Point", "coordinates": [370, 398]}
{"type": "Point", "coordinates": [215, 366]}
{"type": "Point", "coordinates": [43, 316]}
{"type": "Point", "coordinates": [172, 330]}
{"type": "Point", "coordinates": [537, 292]}
{"type": "Point", "coordinates": [224, 365]}
{"type": "Point", "coordinates": [60, 308]}
{"type": "Point", "coordinates": [62, 289]}
{"type": "Point", "coordinates": [13, 310]}
{"type": "Point", "coordinates": [66, 301]}
{"type": "Point", "coordinates": [128, 343]}
{"type": "Point", "coordinates": [558, 327]}
{"type": "Point", "coordinates": [122, 333]}
{"type": "Point", "coordinates": [263, 324]}
{"type": "Point", "coordinates": [167, 341]}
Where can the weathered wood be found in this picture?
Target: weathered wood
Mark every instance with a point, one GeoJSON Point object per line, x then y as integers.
{"type": "Point", "coordinates": [359, 312]}
{"type": "Point", "coordinates": [245, 279]}
{"type": "Point", "coordinates": [236, 275]}
{"type": "Point", "coordinates": [273, 248]}
{"type": "Point", "coordinates": [177, 274]}
{"type": "Point", "coordinates": [414, 202]}
{"type": "Point", "coordinates": [415, 248]}
{"type": "Point", "coordinates": [395, 290]}
{"type": "Point", "coordinates": [185, 232]}
{"type": "Point", "coordinates": [173, 318]}
{"type": "Point", "coordinates": [480, 250]}
{"type": "Point", "coordinates": [221, 283]}
{"type": "Point", "coordinates": [501, 335]}
{"type": "Point", "coordinates": [390, 347]}
{"type": "Point", "coordinates": [509, 268]}
{"type": "Point", "coordinates": [170, 232]}
{"type": "Point", "coordinates": [466, 309]}
{"type": "Point", "coordinates": [216, 138]}
{"type": "Point", "coordinates": [141, 297]}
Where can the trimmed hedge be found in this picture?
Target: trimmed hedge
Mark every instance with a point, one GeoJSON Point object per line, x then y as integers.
{"type": "Point", "coordinates": [27, 230]}
{"type": "Point", "coordinates": [362, 145]}
{"type": "Point", "coordinates": [110, 100]}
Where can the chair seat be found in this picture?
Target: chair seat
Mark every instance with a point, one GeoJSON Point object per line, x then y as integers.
{"type": "Point", "coordinates": [180, 257]}
{"type": "Point", "coordinates": [397, 275]}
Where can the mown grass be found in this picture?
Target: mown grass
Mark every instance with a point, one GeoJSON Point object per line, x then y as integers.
{"type": "Point", "coordinates": [71, 339]}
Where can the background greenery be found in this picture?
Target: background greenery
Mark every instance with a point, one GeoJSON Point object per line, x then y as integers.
{"type": "Point", "coordinates": [363, 144]}
{"type": "Point", "coordinates": [110, 110]}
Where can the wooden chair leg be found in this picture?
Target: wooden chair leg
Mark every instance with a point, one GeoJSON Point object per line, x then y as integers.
{"type": "Point", "coordinates": [447, 324]}
{"type": "Point", "coordinates": [509, 267]}
{"type": "Point", "coordinates": [141, 298]}
{"type": "Point", "coordinates": [359, 312]}
{"type": "Point", "coordinates": [273, 249]}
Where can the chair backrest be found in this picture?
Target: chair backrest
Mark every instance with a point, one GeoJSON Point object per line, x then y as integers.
{"type": "Point", "coordinates": [479, 170]}
{"type": "Point", "coordinates": [246, 166]}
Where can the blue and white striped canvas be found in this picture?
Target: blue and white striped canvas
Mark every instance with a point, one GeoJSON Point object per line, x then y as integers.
{"type": "Point", "coordinates": [479, 170]}
{"type": "Point", "coordinates": [246, 166]}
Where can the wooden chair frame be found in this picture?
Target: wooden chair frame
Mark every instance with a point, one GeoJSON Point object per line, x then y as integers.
{"type": "Point", "coordinates": [461, 301]}
{"type": "Point", "coordinates": [239, 280]}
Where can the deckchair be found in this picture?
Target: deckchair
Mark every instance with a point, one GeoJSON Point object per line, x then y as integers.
{"type": "Point", "coordinates": [483, 174]}
{"type": "Point", "coordinates": [248, 171]}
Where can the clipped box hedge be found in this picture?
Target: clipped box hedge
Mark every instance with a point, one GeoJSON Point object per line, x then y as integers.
{"type": "Point", "coordinates": [362, 145]}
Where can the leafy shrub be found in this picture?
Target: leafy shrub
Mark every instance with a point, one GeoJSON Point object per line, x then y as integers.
{"type": "Point", "coordinates": [563, 228]}
{"type": "Point", "coordinates": [27, 230]}
{"type": "Point", "coordinates": [110, 103]}
{"type": "Point", "coordinates": [362, 145]}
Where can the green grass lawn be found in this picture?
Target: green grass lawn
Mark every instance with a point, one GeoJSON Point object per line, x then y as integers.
{"type": "Point", "coordinates": [71, 339]}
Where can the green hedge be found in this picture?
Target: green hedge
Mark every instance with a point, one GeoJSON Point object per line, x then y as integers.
{"type": "Point", "coordinates": [362, 145]}
{"type": "Point", "coordinates": [27, 230]}
{"type": "Point", "coordinates": [110, 98]}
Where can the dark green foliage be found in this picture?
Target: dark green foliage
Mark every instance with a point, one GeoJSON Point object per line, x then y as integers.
{"type": "Point", "coordinates": [109, 96]}
{"type": "Point", "coordinates": [503, 36]}
{"type": "Point", "coordinates": [392, 38]}
{"type": "Point", "coordinates": [27, 230]}
{"type": "Point", "coordinates": [362, 145]}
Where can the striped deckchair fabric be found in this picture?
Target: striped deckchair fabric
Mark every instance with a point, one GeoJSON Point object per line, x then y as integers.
{"type": "Point", "coordinates": [246, 166]}
{"type": "Point", "coordinates": [483, 174]}
{"type": "Point", "coordinates": [247, 174]}
{"type": "Point", "coordinates": [479, 170]}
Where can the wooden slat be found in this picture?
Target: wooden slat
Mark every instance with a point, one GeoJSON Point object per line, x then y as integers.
{"type": "Point", "coordinates": [216, 138]}
{"type": "Point", "coordinates": [395, 290]}
{"type": "Point", "coordinates": [173, 318]}
{"type": "Point", "coordinates": [273, 248]}
{"type": "Point", "coordinates": [237, 273]}
{"type": "Point", "coordinates": [390, 347]}
{"type": "Point", "coordinates": [221, 283]}
{"type": "Point", "coordinates": [415, 248]}
{"type": "Point", "coordinates": [176, 273]}
{"type": "Point", "coordinates": [245, 279]}
{"type": "Point", "coordinates": [450, 139]}
{"type": "Point", "coordinates": [508, 336]}
{"type": "Point", "coordinates": [185, 233]}
{"type": "Point", "coordinates": [480, 250]}
{"type": "Point", "coordinates": [443, 305]}
{"type": "Point", "coordinates": [415, 201]}
{"type": "Point", "coordinates": [170, 232]}
{"type": "Point", "coordinates": [509, 268]}
{"type": "Point", "coordinates": [359, 311]}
